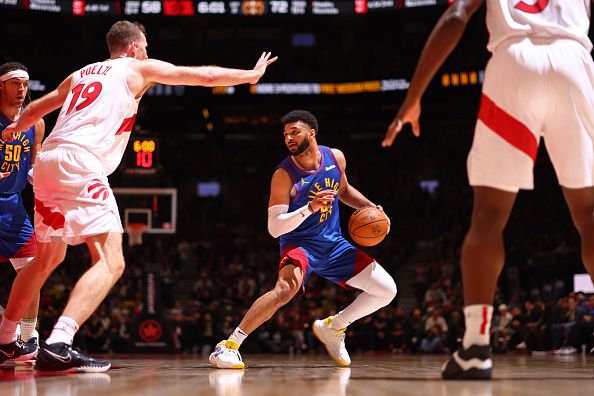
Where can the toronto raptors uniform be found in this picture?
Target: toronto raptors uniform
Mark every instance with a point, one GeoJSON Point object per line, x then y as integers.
{"type": "Point", "coordinates": [73, 199]}
{"type": "Point", "coordinates": [538, 82]}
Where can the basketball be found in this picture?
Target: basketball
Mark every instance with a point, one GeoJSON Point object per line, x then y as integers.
{"type": "Point", "coordinates": [368, 226]}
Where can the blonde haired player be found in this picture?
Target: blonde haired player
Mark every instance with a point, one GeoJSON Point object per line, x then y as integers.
{"type": "Point", "coordinates": [73, 200]}
{"type": "Point", "coordinates": [538, 83]}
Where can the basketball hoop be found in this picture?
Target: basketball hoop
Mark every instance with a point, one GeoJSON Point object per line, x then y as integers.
{"type": "Point", "coordinates": [135, 231]}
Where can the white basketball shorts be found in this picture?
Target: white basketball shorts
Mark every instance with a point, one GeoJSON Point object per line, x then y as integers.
{"type": "Point", "coordinates": [535, 88]}
{"type": "Point", "coordinates": [73, 199]}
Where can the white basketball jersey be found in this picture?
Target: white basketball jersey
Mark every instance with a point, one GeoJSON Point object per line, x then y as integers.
{"type": "Point", "coordinates": [538, 18]}
{"type": "Point", "coordinates": [98, 113]}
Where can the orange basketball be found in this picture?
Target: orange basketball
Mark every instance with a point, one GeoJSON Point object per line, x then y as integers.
{"type": "Point", "coordinates": [368, 226]}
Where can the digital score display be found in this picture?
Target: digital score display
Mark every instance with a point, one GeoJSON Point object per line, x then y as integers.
{"type": "Point", "coordinates": [142, 156]}
{"type": "Point", "coordinates": [250, 8]}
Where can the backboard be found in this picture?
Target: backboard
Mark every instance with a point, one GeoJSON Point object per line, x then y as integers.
{"type": "Point", "coordinates": [155, 207]}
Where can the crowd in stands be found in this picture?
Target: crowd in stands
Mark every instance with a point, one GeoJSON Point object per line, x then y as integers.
{"type": "Point", "coordinates": [221, 258]}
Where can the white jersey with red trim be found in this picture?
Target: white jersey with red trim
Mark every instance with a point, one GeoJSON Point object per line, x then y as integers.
{"type": "Point", "coordinates": [508, 19]}
{"type": "Point", "coordinates": [98, 113]}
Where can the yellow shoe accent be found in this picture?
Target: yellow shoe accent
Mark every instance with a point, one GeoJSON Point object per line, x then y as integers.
{"type": "Point", "coordinates": [328, 320]}
{"type": "Point", "coordinates": [231, 344]}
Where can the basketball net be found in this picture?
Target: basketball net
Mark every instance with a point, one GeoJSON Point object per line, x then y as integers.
{"type": "Point", "coordinates": [135, 231]}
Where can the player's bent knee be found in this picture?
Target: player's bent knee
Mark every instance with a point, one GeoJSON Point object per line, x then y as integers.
{"type": "Point", "coordinates": [381, 284]}
{"type": "Point", "coordinates": [117, 267]}
{"type": "Point", "coordinates": [390, 291]}
{"type": "Point", "coordinates": [284, 292]}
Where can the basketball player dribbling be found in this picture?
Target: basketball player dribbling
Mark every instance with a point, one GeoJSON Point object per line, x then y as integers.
{"type": "Point", "coordinates": [73, 200]}
{"type": "Point", "coordinates": [538, 82]}
{"type": "Point", "coordinates": [303, 212]}
{"type": "Point", "coordinates": [17, 240]}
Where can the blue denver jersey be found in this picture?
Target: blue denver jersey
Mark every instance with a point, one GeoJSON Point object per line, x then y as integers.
{"type": "Point", "coordinates": [15, 157]}
{"type": "Point", "coordinates": [323, 227]}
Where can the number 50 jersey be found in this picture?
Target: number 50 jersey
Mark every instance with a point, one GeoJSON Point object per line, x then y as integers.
{"type": "Point", "coordinates": [98, 113]}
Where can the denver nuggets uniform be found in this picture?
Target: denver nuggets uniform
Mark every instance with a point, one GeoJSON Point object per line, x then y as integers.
{"type": "Point", "coordinates": [317, 244]}
{"type": "Point", "coordinates": [539, 82]}
{"type": "Point", "coordinates": [17, 241]}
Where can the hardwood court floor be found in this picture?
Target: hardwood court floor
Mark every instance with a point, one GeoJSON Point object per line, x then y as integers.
{"type": "Point", "coordinates": [303, 376]}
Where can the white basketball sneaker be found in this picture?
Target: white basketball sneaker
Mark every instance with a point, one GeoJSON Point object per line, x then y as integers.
{"type": "Point", "coordinates": [333, 340]}
{"type": "Point", "coordinates": [226, 355]}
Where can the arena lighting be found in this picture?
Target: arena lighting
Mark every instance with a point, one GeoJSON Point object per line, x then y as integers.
{"type": "Point", "coordinates": [464, 78]}
{"type": "Point", "coordinates": [345, 88]}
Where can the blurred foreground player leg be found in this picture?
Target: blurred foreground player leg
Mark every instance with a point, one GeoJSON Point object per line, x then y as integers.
{"type": "Point", "coordinates": [538, 83]}
{"type": "Point", "coordinates": [74, 203]}
{"type": "Point", "coordinates": [304, 213]}
{"type": "Point", "coordinates": [17, 241]}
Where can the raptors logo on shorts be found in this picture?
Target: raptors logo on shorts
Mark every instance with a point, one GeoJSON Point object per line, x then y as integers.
{"type": "Point", "coordinates": [98, 190]}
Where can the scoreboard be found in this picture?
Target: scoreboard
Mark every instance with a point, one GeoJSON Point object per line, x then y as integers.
{"type": "Point", "coordinates": [142, 156]}
{"type": "Point", "coordinates": [217, 7]}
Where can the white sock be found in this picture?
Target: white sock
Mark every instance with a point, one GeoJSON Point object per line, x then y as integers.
{"type": "Point", "coordinates": [238, 336]}
{"type": "Point", "coordinates": [478, 325]}
{"type": "Point", "coordinates": [8, 330]}
{"type": "Point", "coordinates": [27, 328]}
{"type": "Point", "coordinates": [378, 290]}
{"type": "Point", "coordinates": [63, 331]}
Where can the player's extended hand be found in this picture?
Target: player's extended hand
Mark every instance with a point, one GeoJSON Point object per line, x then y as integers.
{"type": "Point", "coordinates": [323, 199]}
{"type": "Point", "coordinates": [408, 113]}
{"type": "Point", "coordinates": [4, 174]}
{"type": "Point", "coordinates": [389, 221]}
{"type": "Point", "coordinates": [261, 65]}
{"type": "Point", "coordinates": [9, 132]}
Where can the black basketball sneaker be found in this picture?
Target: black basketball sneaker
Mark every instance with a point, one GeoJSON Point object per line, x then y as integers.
{"type": "Point", "coordinates": [473, 363]}
{"type": "Point", "coordinates": [12, 351]}
{"type": "Point", "coordinates": [62, 357]}
{"type": "Point", "coordinates": [31, 348]}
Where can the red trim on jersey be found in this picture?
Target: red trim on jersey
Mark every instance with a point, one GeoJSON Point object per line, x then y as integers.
{"type": "Point", "coordinates": [485, 319]}
{"type": "Point", "coordinates": [288, 172]}
{"type": "Point", "coordinates": [296, 167]}
{"type": "Point", "coordinates": [127, 125]}
{"type": "Point", "coordinates": [536, 8]}
{"type": "Point", "coordinates": [506, 126]}
{"type": "Point", "coordinates": [294, 255]}
{"type": "Point", "coordinates": [334, 159]}
{"type": "Point", "coordinates": [51, 219]}
{"type": "Point", "coordinates": [362, 260]}
{"type": "Point", "coordinates": [29, 249]}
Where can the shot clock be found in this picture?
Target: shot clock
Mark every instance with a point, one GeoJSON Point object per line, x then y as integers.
{"type": "Point", "coordinates": [142, 156]}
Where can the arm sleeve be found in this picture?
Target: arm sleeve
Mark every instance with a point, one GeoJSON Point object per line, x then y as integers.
{"type": "Point", "coordinates": [281, 222]}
